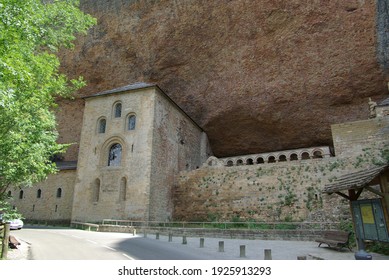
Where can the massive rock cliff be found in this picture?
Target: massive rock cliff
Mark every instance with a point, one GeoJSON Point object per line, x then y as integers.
{"type": "Point", "coordinates": [256, 75]}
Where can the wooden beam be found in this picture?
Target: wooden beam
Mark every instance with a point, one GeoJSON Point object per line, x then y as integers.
{"type": "Point", "coordinates": [358, 193]}
{"type": "Point", "coordinates": [343, 195]}
{"type": "Point", "coordinates": [370, 189]}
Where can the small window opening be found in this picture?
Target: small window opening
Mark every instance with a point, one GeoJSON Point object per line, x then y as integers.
{"type": "Point", "coordinates": [102, 125]}
{"type": "Point", "coordinates": [131, 122]}
{"type": "Point", "coordinates": [272, 159]}
{"type": "Point", "coordinates": [118, 110]}
{"type": "Point", "coordinates": [59, 193]}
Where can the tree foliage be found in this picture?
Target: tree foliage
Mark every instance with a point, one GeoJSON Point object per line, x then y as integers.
{"type": "Point", "coordinates": [31, 33]}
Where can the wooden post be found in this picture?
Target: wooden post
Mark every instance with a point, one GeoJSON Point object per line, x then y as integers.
{"type": "Point", "coordinates": [4, 253]}
{"type": "Point", "coordinates": [385, 199]}
{"type": "Point", "coordinates": [201, 242]}
{"type": "Point", "coordinates": [157, 235]}
{"type": "Point", "coordinates": [170, 237]}
{"type": "Point", "coordinates": [221, 246]}
{"type": "Point", "coordinates": [184, 242]}
{"type": "Point", "coordinates": [242, 251]}
{"type": "Point", "coordinates": [268, 254]}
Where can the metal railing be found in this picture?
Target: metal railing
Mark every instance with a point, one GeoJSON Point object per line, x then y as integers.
{"type": "Point", "coordinates": [226, 225]}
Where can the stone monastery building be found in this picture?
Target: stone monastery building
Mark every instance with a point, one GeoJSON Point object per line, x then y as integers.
{"type": "Point", "coordinates": [141, 157]}
{"type": "Point", "coordinates": [134, 141]}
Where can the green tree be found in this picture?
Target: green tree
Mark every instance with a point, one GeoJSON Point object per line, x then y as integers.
{"type": "Point", "coordinates": [31, 34]}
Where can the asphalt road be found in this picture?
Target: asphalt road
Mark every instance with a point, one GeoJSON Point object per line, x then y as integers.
{"type": "Point", "coordinates": [72, 244]}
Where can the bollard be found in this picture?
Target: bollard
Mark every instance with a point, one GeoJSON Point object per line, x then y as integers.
{"type": "Point", "coordinates": [184, 240]}
{"type": "Point", "coordinates": [134, 232]}
{"type": "Point", "coordinates": [268, 254]}
{"type": "Point", "coordinates": [301, 257]}
{"type": "Point", "coordinates": [157, 235]}
{"type": "Point", "coordinates": [170, 237]}
{"type": "Point", "coordinates": [221, 246]}
{"type": "Point", "coordinates": [242, 251]}
{"type": "Point", "coordinates": [201, 242]}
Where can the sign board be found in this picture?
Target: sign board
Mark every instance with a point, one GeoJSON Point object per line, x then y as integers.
{"type": "Point", "coordinates": [369, 220]}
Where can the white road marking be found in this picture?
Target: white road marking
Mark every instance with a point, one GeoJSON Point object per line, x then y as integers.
{"type": "Point", "coordinates": [128, 257]}
{"type": "Point", "coordinates": [109, 248]}
{"type": "Point", "coordinates": [91, 241]}
{"type": "Point", "coordinates": [76, 236]}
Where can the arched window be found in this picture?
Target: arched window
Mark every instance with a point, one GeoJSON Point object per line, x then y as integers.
{"type": "Point", "coordinates": [249, 161]}
{"type": "Point", "coordinates": [39, 194]}
{"type": "Point", "coordinates": [131, 122]}
{"type": "Point", "coordinates": [102, 125]}
{"type": "Point", "coordinates": [260, 160]}
{"type": "Point", "coordinates": [239, 162]}
{"type": "Point", "coordinates": [230, 163]}
{"type": "Point", "coordinates": [271, 159]}
{"type": "Point", "coordinates": [118, 110]}
{"type": "Point", "coordinates": [21, 194]}
{"type": "Point", "coordinates": [305, 155]}
{"type": "Point", "coordinates": [282, 158]}
{"type": "Point", "coordinates": [115, 155]}
{"type": "Point", "coordinates": [317, 154]}
{"type": "Point", "coordinates": [59, 193]}
{"type": "Point", "coordinates": [293, 157]}
{"type": "Point", "coordinates": [96, 191]}
{"type": "Point", "coordinates": [123, 189]}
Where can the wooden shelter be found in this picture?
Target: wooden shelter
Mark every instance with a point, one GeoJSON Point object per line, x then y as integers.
{"type": "Point", "coordinates": [370, 215]}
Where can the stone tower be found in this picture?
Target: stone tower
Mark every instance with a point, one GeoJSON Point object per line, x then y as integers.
{"type": "Point", "coordinates": [134, 141]}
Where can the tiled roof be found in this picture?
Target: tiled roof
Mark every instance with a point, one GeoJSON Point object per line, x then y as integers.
{"type": "Point", "coordinates": [139, 85]}
{"type": "Point", "coordinates": [66, 165]}
{"type": "Point", "coordinates": [384, 102]}
{"type": "Point", "coordinates": [354, 180]}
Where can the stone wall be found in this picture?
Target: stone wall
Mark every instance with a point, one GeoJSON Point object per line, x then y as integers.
{"type": "Point", "coordinates": [288, 191]}
{"type": "Point", "coordinates": [281, 191]}
{"type": "Point", "coordinates": [352, 138]}
{"type": "Point", "coordinates": [44, 201]}
{"type": "Point", "coordinates": [122, 191]}
{"type": "Point", "coordinates": [178, 145]}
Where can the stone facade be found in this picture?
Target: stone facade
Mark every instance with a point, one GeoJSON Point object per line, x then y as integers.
{"type": "Point", "coordinates": [157, 140]}
{"type": "Point", "coordinates": [141, 157]}
{"type": "Point", "coordinates": [50, 200]}
{"type": "Point", "coordinates": [284, 185]}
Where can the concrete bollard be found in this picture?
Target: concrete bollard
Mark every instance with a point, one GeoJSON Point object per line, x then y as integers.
{"type": "Point", "coordinates": [301, 257]}
{"type": "Point", "coordinates": [170, 237]}
{"type": "Point", "coordinates": [242, 251]}
{"type": "Point", "coordinates": [268, 254]}
{"type": "Point", "coordinates": [201, 242]}
{"type": "Point", "coordinates": [157, 235]}
{"type": "Point", "coordinates": [134, 232]}
{"type": "Point", "coordinates": [221, 246]}
{"type": "Point", "coordinates": [184, 242]}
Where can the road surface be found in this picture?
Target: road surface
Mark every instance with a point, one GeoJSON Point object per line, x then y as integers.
{"type": "Point", "coordinates": [73, 244]}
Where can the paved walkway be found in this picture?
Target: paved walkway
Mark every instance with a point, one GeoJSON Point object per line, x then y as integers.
{"type": "Point", "coordinates": [254, 249]}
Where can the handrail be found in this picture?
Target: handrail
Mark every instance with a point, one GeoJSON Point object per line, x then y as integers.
{"type": "Point", "coordinates": [224, 225]}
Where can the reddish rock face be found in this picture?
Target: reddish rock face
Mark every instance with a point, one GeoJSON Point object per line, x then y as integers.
{"type": "Point", "coordinates": [256, 75]}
